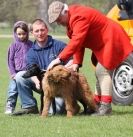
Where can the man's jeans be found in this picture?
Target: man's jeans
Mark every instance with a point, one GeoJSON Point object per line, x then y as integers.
{"type": "Point", "coordinates": [25, 91]}
{"type": "Point", "coordinates": [12, 94]}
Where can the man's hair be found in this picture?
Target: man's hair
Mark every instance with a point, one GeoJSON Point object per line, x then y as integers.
{"type": "Point", "coordinates": [38, 21]}
{"type": "Point", "coordinates": [65, 8]}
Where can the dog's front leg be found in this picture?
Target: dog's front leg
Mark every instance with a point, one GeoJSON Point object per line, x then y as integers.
{"type": "Point", "coordinates": [47, 102]}
{"type": "Point", "coordinates": [69, 108]}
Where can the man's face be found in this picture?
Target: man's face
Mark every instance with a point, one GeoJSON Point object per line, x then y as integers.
{"type": "Point", "coordinates": [62, 20]}
{"type": "Point", "coordinates": [40, 32]}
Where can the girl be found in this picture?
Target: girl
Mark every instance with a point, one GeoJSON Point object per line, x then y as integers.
{"type": "Point", "coordinates": [16, 61]}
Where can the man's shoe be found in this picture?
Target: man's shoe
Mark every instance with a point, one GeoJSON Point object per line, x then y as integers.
{"type": "Point", "coordinates": [9, 111]}
{"type": "Point", "coordinates": [9, 108]}
{"type": "Point", "coordinates": [24, 111]}
{"type": "Point", "coordinates": [98, 104]}
{"type": "Point", "coordinates": [104, 110]}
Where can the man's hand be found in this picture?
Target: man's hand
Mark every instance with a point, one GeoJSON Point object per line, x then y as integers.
{"type": "Point", "coordinates": [54, 62]}
{"type": "Point", "coordinates": [69, 63]}
{"type": "Point", "coordinates": [74, 67]}
{"type": "Point", "coordinates": [36, 81]}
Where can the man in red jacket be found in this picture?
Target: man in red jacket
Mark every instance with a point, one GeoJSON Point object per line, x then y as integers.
{"type": "Point", "coordinates": [88, 28]}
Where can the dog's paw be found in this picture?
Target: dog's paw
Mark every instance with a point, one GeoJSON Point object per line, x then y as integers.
{"type": "Point", "coordinates": [69, 114]}
{"type": "Point", "coordinates": [43, 116]}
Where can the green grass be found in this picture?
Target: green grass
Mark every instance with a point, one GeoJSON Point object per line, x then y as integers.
{"type": "Point", "coordinates": [117, 125]}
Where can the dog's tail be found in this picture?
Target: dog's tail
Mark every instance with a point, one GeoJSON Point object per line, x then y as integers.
{"type": "Point", "coordinates": [87, 93]}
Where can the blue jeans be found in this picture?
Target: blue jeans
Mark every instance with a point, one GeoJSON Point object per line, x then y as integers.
{"type": "Point", "coordinates": [12, 93]}
{"type": "Point", "coordinates": [25, 92]}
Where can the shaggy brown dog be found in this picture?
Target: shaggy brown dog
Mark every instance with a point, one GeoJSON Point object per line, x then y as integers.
{"type": "Point", "coordinates": [71, 86]}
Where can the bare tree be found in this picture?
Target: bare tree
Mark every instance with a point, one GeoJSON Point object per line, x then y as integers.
{"type": "Point", "coordinates": [43, 11]}
{"type": "Point", "coordinates": [43, 8]}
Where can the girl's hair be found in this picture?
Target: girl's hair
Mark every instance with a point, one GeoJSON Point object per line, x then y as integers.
{"type": "Point", "coordinates": [21, 24]}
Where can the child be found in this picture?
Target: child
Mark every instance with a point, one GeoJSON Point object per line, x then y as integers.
{"type": "Point", "coordinates": [16, 61]}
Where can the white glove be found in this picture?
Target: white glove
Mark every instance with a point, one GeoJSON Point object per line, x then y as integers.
{"type": "Point", "coordinates": [69, 63]}
{"type": "Point", "coordinates": [54, 62]}
{"type": "Point", "coordinates": [74, 67]}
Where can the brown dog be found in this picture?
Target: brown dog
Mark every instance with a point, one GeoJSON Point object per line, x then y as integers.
{"type": "Point", "coordinates": [71, 86]}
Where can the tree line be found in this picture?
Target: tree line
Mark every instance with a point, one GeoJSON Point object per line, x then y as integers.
{"type": "Point", "coordinates": [14, 10]}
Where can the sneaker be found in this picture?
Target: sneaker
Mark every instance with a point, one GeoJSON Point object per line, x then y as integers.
{"type": "Point", "coordinates": [24, 111]}
{"type": "Point", "coordinates": [98, 105]}
{"type": "Point", "coordinates": [104, 109]}
{"type": "Point", "coordinates": [9, 109]}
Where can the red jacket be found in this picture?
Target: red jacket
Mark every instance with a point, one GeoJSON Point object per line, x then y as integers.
{"type": "Point", "coordinates": [88, 28]}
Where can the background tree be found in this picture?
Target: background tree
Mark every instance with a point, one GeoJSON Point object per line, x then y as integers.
{"type": "Point", "coordinates": [14, 10]}
{"type": "Point", "coordinates": [27, 10]}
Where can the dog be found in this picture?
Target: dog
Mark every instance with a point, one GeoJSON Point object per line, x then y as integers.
{"type": "Point", "coordinates": [71, 86]}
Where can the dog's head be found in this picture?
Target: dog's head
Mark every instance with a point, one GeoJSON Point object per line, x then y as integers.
{"type": "Point", "coordinates": [58, 74]}
{"type": "Point", "coordinates": [32, 70]}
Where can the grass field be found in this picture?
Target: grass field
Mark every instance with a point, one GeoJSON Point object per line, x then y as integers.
{"type": "Point", "coordinates": [119, 124]}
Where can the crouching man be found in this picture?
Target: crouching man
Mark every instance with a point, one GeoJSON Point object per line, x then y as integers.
{"type": "Point", "coordinates": [43, 51]}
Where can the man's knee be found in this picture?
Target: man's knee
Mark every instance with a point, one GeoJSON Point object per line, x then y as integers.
{"type": "Point", "coordinates": [19, 77]}
{"type": "Point", "coordinates": [101, 71]}
{"type": "Point", "coordinates": [20, 74]}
